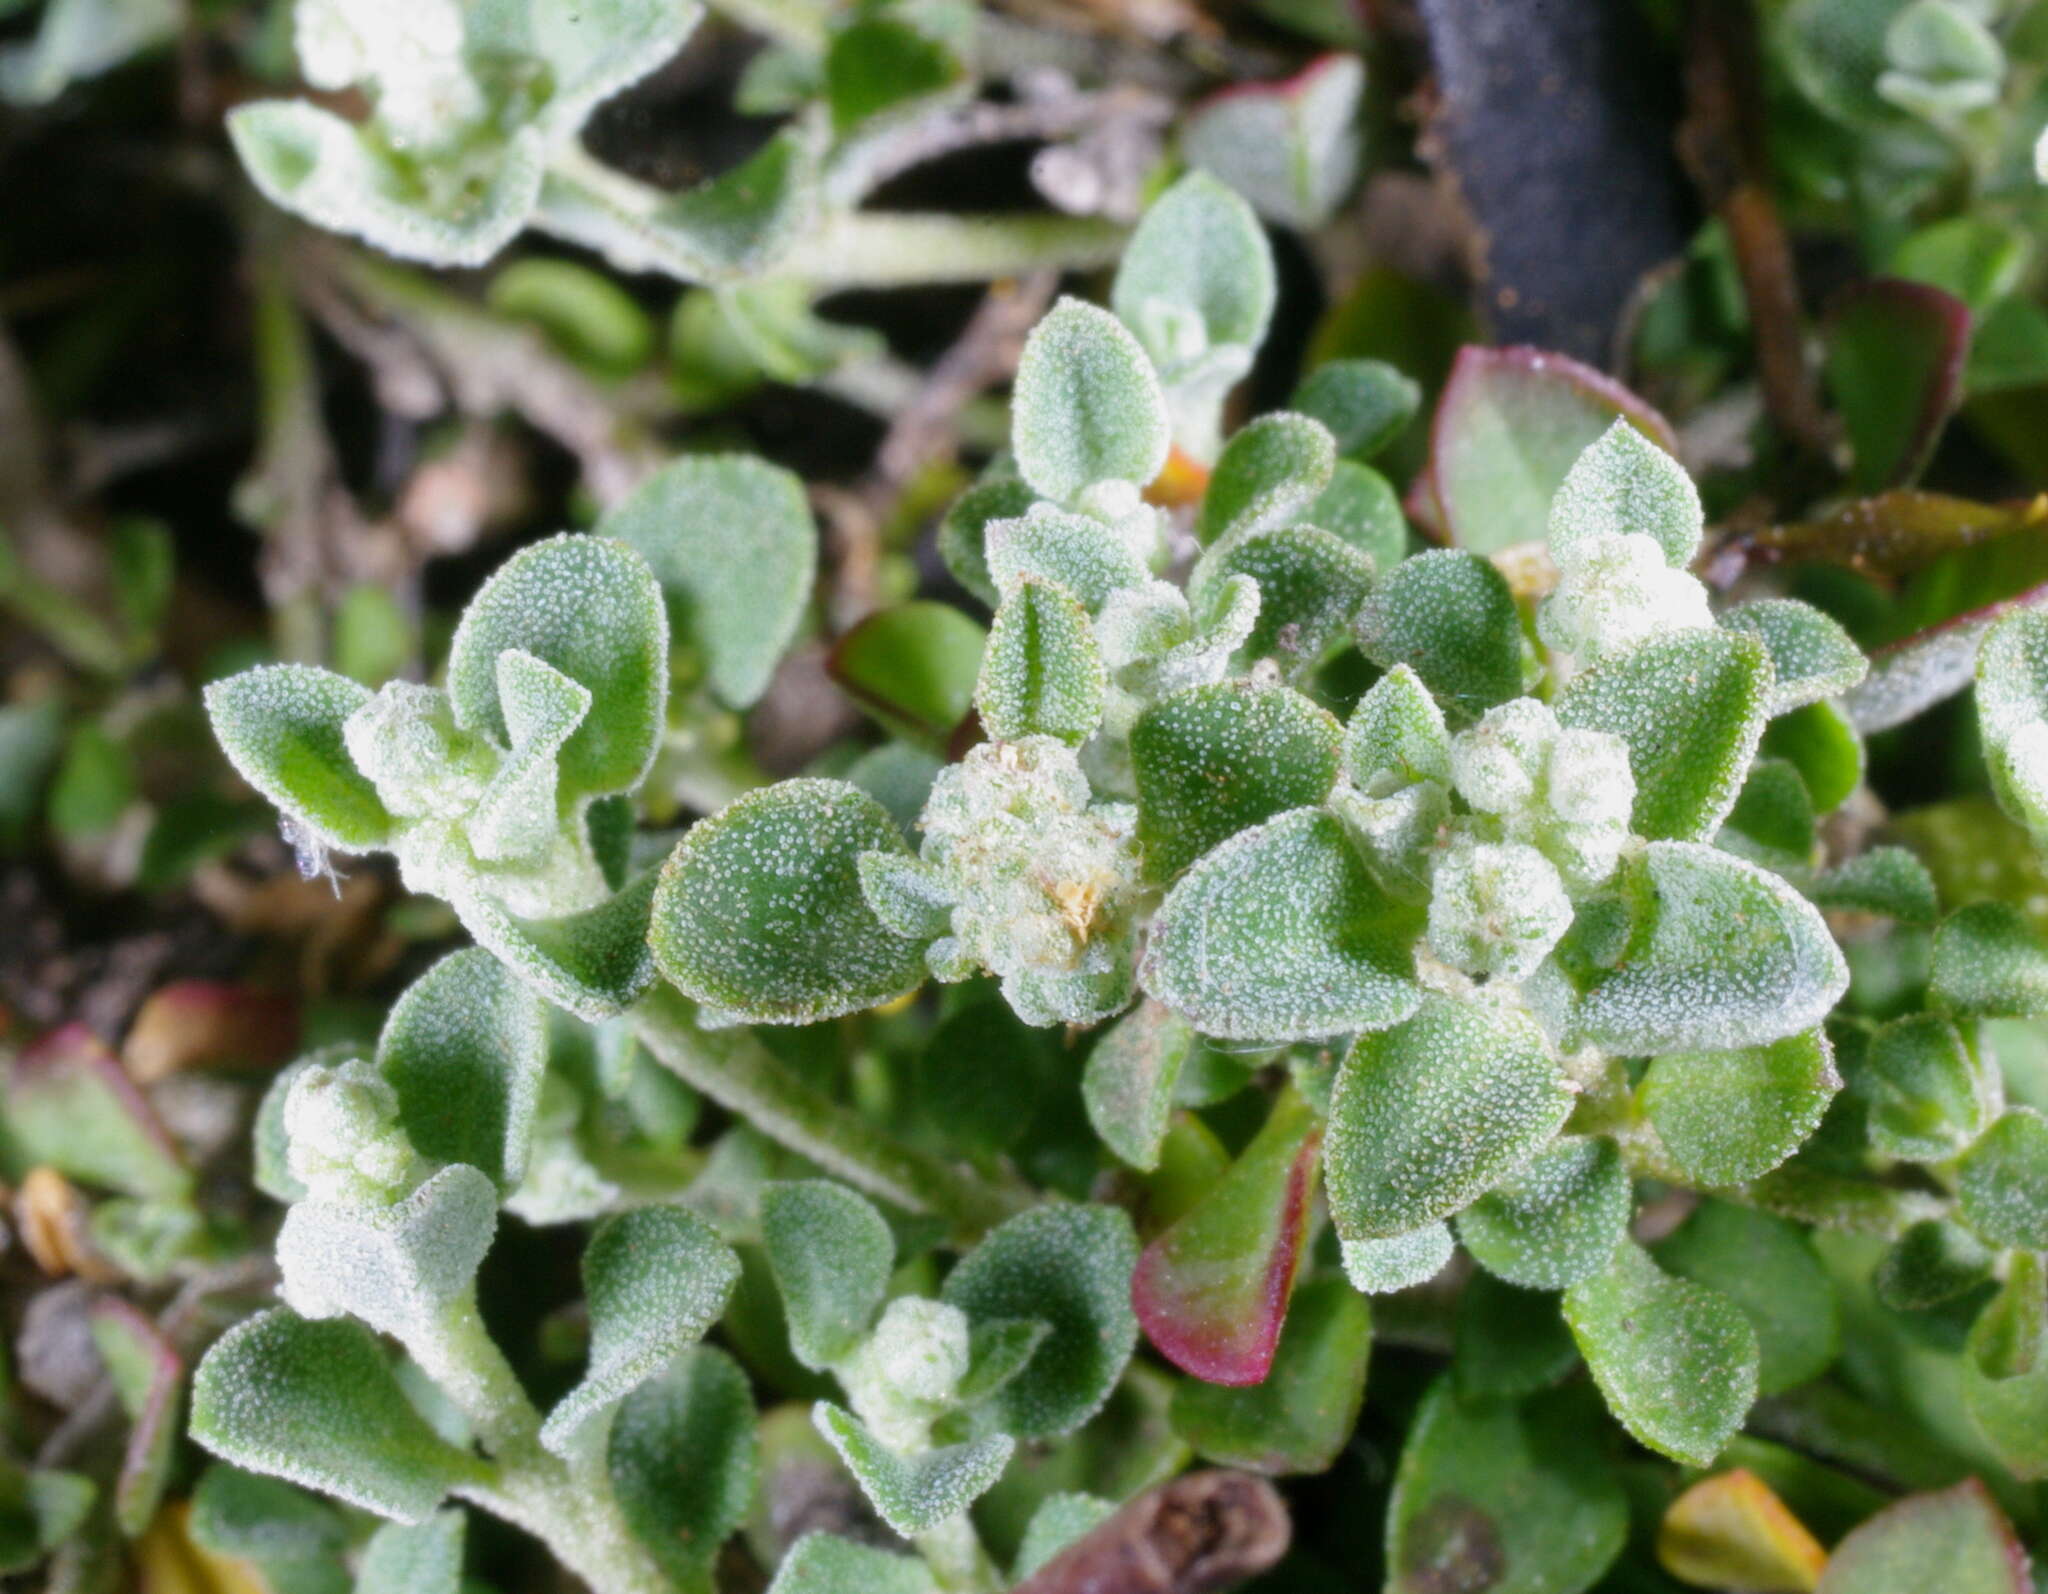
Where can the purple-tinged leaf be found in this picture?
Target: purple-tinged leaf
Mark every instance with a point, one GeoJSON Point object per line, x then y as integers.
{"type": "Point", "coordinates": [148, 1378]}
{"type": "Point", "coordinates": [1895, 353]}
{"type": "Point", "coordinates": [1212, 1290]}
{"type": "Point", "coordinates": [69, 1104]}
{"type": "Point", "coordinates": [1510, 424]}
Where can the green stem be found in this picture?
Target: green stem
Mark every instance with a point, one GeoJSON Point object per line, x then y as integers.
{"type": "Point", "coordinates": [583, 1529]}
{"type": "Point", "coordinates": [954, 1552]}
{"type": "Point", "coordinates": [740, 1074]}
{"type": "Point", "coordinates": [459, 1355]}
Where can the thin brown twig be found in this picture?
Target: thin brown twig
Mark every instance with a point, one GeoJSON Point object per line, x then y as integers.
{"type": "Point", "coordinates": [1202, 1531]}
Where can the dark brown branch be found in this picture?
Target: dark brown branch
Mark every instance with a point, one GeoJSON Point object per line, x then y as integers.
{"type": "Point", "coordinates": [1202, 1531]}
{"type": "Point", "coordinates": [1722, 143]}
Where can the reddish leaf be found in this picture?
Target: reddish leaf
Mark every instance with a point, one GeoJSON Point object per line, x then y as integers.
{"type": "Point", "coordinates": [70, 1104]}
{"type": "Point", "coordinates": [1212, 1290]}
{"type": "Point", "coordinates": [147, 1375]}
{"type": "Point", "coordinates": [1510, 424]}
{"type": "Point", "coordinates": [209, 1024]}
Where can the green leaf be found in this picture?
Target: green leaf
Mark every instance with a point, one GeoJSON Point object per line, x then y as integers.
{"type": "Point", "coordinates": [822, 1564]}
{"type": "Point", "coordinates": [881, 64]}
{"type": "Point", "coordinates": [1129, 1081]}
{"type": "Point", "coordinates": [732, 227]}
{"type": "Point", "coordinates": [589, 607]}
{"type": "Point", "coordinates": [1399, 1262]}
{"type": "Point", "coordinates": [1890, 881]}
{"type": "Point", "coordinates": [731, 541]}
{"type": "Point", "coordinates": [1933, 1262]}
{"type": "Point", "coordinates": [656, 1279]}
{"type": "Point", "coordinates": [2002, 1182]}
{"type": "Point", "coordinates": [1211, 1290]}
{"type": "Point", "coordinates": [280, 725]}
{"type": "Point", "coordinates": [1042, 674]}
{"type": "Point", "coordinates": [1556, 1221]}
{"type": "Point", "coordinates": [1060, 1520]}
{"type": "Point", "coordinates": [1278, 464]}
{"type": "Point", "coordinates": [1676, 1360]}
{"type": "Point", "coordinates": [2012, 714]}
{"type": "Point", "coordinates": [257, 1518]}
{"type": "Point", "coordinates": [1957, 1541]}
{"type": "Point", "coordinates": [1366, 404]}
{"type": "Point", "coordinates": [1510, 425]}
{"type": "Point", "coordinates": [1821, 743]}
{"type": "Point", "coordinates": [1281, 934]}
{"type": "Point", "coordinates": [39, 1511]}
{"type": "Point", "coordinates": [465, 1048]}
{"type": "Point", "coordinates": [414, 1558]}
{"type": "Point", "coordinates": [148, 1378]}
{"type": "Point", "coordinates": [914, 1494]}
{"type": "Point", "coordinates": [584, 313]}
{"type": "Point", "coordinates": [963, 533]}
{"type": "Point", "coordinates": [1513, 1498]}
{"type": "Point", "coordinates": [1923, 1090]}
{"type": "Point", "coordinates": [831, 1253]}
{"type": "Point", "coordinates": [1300, 1416]}
{"type": "Point", "coordinates": [1721, 956]}
{"type": "Point", "coordinates": [2005, 1376]}
{"type": "Point", "coordinates": [1691, 706]}
{"type": "Point", "coordinates": [1211, 761]}
{"type": "Point", "coordinates": [317, 1404]}
{"type": "Point", "coordinates": [1311, 584]}
{"type": "Point", "coordinates": [1087, 405]}
{"type": "Point", "coordinates": [1070, 1267]}
{"type": "Point", "coordinates": [681, 1459]}
{"type": "Point", "coordinates": [1767, 1267]}
{"type": "Point", "coordinates": [316, 165]}
{"type": "Point", "coordinates": [760, 911]}
{"type": "Point", "coordinates": [1361, 506]}
{"type": "Point", "coordinates": [912, 669]}
{"type": "Point", "coordinates": [1292, 148]}
{"type": "Point", "coordinates": [1989, 963]}
{"type": "Point", "coordinates": [1811, 655]}
{"type": "Point", "coordinates": [71, 1105]}
{"type": "Point", "coordinates": [1728, 1117]}
{"type": "Point", "coordinates": [1508, 1343]}
{"type": "Point", "coordinates": [1396, 736]}
{"type": "Point", "coordinates": [1772, 822]}
{"type": "Point", "coordinates": [1625, 484]}
{"type": "Point", "coordinates": [1198, 263]}
{"type": "Point", "coordinates": [1895, 353]}
{"type": "Point", "coordinates": [1432, 1113]}
{"type": "Point", "coordinates": [1450, 616]}
{"type": "Point", "coordinates": [397, 1267]}
{"type": "Point", "coordinates": [595, 963]}
{"type": "Point", "coordinates": [1085, 556]}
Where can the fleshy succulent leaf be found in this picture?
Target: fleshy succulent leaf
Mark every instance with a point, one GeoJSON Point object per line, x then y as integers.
{"type": "Point", "coordinates": [1088, 405]}
{"type": "Point", "coordinates": [280, 725]}
{"type": "Point", "coordinates": [831, 1254]}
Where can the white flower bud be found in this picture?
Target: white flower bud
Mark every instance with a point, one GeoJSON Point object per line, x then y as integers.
{"type": "Point", "coordinates": [343, 1141]}
{"type": "Point", "coordinates": [423, 765]}
{"type": "Point", "coordinates": [1496, 908]}
{"type": "Point", "coordinates": [920, 1347]}
{"type": "Point", "coordinates": [1497, 764]}
{"type": "Point", "coordinates": [1590, 782]}
{"type": "Point", "coordinates": [1616, 591]}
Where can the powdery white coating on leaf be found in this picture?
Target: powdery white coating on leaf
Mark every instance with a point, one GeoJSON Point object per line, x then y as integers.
{"type": "Point", "coordinates": [1280, 934]}
{"type": "Point", "coordinates": [1724, 955]}
{"type": "Point", "coordinates": [1196, 274]}
{"type": "Point", "coordinates": [1400, 1261]}
{"type": "Point", "coordinates": [682, 1457]}
{"type": "Point", "coordinates": [1957, 1540]}
{"type": "Point", "coordinates": [1070, 1267]}
{"type": "Point", "coordinates": [1625, 485]}
{"type": "Point", "coordinates": [2012, 712]}
{"type": "Point", "coordinates": [1311, 585]}
{"type": "Point", "coordinates": [1926, 1098]}
{"type": "Point", "coordinates": [1430, 1114]}
{"type": "Point", "coordinates": [343, 1141]}
{"type": "Point", "coordinates": [1909, 677]}
{"type": "Point", "coordinates": [422, 764]}
{"type": "Point", "coordinates": [516, 816]}
{"type": "Point", "coordinates": [831, 1253]}
{"type": "Point", "coordinates": [907, 895]}
{"type": "Point", "coordinates": [1989, 962]}
{"type": "Point", "coordinates": [1291, 148]}
{"type": "Point", "coordinates": [760, 911]}
{"type": "Point", "coordinates": [317, 1405]}
{"type": "Point", "coordinates": [1768, 1268]}
{"type": "Point", "coordinates": [1691, 707]}
{"type": "Point", "coordinates": [656, 1279]}
{"type": "Point", "coordinates": [1555, 1222]}
{"type": "Point", "coordinates": [1812, 657]}
{"type": "Point", "coordinates": [281, 726]}
{"type": "Point", "coordinates": [1128, 1083]}
{"type": "Point", "coordinates": [2002, 1182]}
{"type": "Point", "coordinates": [731, 540]}
{"type": "Point", "coordinates": [1211, 760]}
{"type": "Point", "coordinates": [820, 1563]}
{"type": "Point", "coordinates": [396, 1267]}
{"type": "Point", "coordinates": [1727, 1117]}
{"type": "Point", "coordinates": [1886, 880]}
{"type": "Point", "coordinates": [914, 1493]}
{"type": "Point", "coordinates": [595, 963]}
{"type": "Point", "coordinates": [1677, 1361]}
{"type": "Point", "coordinates": [591, 608]}
{"type": "Point", "coordinates": [1496, 908]}
{"type": "Point", "coordinates": [920, 1348]}
{"type": "Point", "coordinates": [1568, 794]}
{"type": "Point", "coordinates": [1396, 736]}
{"type": "Point", "coordinates": [465, 1048]}
{"type": "Point", "coordinates": [1042, 673]}
{"type": "Point", "coordinates": [1077, 552]}
{"type": "Point", "coordinates": [1060, 1520]}
{"type": "Point", "coordinates": [1450, 616]}
{"type": "Point", "coordinates": [1272, 467]}
{"type": "Point", "coordinates": [1086, 405]}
